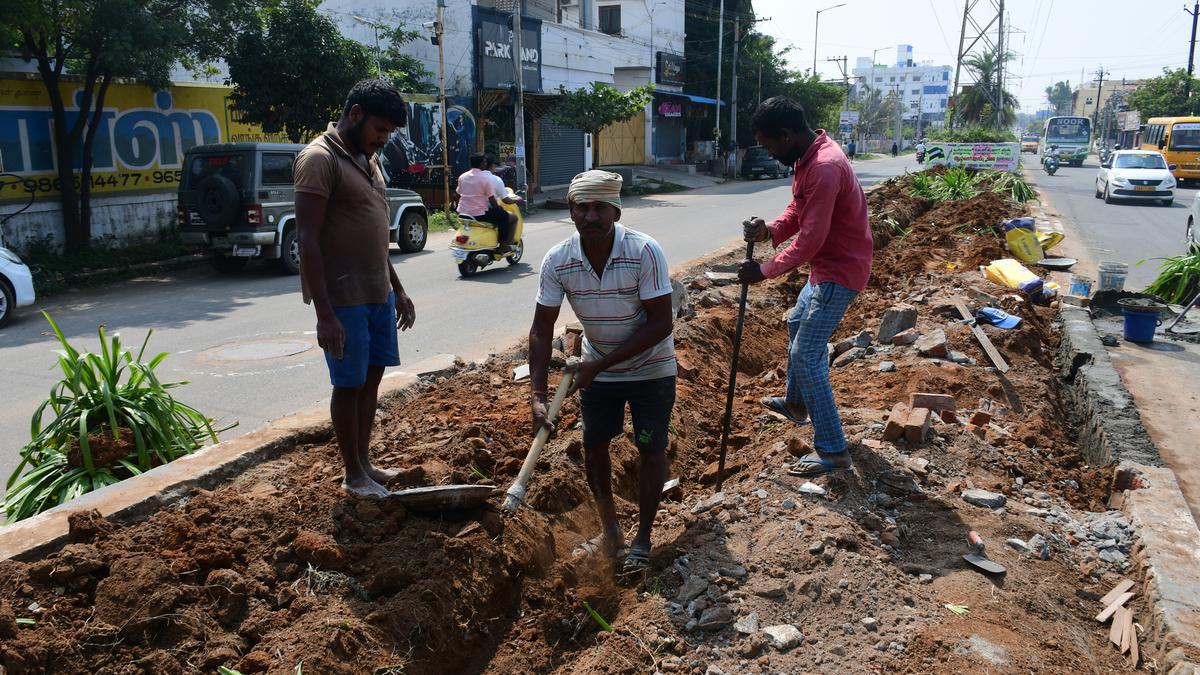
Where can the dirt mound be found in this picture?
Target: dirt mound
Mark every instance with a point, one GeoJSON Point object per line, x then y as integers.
{"type": "Point", "coordinates": [278, 568]}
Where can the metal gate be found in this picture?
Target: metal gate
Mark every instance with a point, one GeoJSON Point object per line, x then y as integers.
{"type": "Point", "coordinates": [625, 142]}
{"type": "Point", "coordinates": [560, 153]}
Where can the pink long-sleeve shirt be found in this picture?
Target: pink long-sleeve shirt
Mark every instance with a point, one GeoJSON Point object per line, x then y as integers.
{"type": "Point", "coordinates": [828, 216]}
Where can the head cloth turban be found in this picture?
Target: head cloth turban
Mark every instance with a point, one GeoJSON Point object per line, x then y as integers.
{"type": "Point", "coordinates": [596, 186]}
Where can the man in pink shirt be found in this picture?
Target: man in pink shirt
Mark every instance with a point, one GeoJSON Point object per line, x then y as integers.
{"type": "Point", "coordinates": [828, 217]}
{"type": "Point", "coordinates": [477, 198]}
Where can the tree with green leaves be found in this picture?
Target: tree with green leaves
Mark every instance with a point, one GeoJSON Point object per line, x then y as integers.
{"type": "Point", "coordinates": [291, 71]}
{"type": "Point", "coordinates": [975, 105]}
{"type": "Point", "coordinates": [1059, 96]}
{"type": "Point", "coordinates": [875, 112]}
{"type": "Point", "coordinates": [1165, 96]}
{"type": "Point", "coordinates": [602, 105]}
{"type": "Point", "coordinates": [92, 43]}
{"type": "Point", "coordinates": [405, 71]}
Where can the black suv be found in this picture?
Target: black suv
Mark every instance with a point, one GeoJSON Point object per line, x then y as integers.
{"type": "Point", "coordinates": [757, 162]}
{"type": "Point", "coordinates": [237, 200]}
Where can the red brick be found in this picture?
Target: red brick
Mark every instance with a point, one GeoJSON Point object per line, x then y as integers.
{"type": "Point", "coordinates": [935, 402]}
{"type": "Point", "coordinates": [980, 418]}
{"type": "Point", "coordinates": [895, 424]}
{"type": "Point", "coordinates": [977, 430]}
{"type": "Point", "coordinates": [917, 425]}
{"type": "Point", "coordinates": [949, 416]}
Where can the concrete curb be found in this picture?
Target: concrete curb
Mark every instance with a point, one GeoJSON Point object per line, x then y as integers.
{"type": "Point", "coordinates": [1168, 552]}
{"type": "Point", "coordinates": [1168, 549]}
{"type": "Point", "coordinates": [137, 498]}
{"type": "Point", "coordinates": [1110, 428]}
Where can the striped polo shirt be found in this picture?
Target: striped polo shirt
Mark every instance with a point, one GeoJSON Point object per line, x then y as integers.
{"type": "Point", "coordinates": [610, 306]}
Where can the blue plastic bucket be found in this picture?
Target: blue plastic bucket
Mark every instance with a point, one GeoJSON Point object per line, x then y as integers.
{"type": "Point", "coordinates": [1139, 326]}
{"type": "Point", "coordinates": [1081, 285]}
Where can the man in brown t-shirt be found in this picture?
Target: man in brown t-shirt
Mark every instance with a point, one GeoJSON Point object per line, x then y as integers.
{"type": "Point", "coordinates": [343, 214]}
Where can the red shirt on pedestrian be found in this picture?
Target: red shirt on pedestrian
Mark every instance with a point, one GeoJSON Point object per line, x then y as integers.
{"type": "Point", "coordinates": [829, 218]}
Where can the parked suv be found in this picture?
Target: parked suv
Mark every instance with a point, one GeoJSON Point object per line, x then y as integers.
{"type": "Point", "coordinates": [237, 200]}
{"type": "Point", "coordinates": [757, 162]}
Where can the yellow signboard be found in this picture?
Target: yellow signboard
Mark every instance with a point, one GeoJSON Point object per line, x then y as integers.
{"type": "Point", "coordinates": [139, 144]}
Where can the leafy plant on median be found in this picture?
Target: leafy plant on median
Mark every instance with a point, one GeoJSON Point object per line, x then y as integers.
{"type": "Point", "coordinates": [1012, 187]}
{"type": "Point", "coordinates": [104, 429]}
{"type": "Point", "coordinates": [1178, 279]}
{"type": "Point", "coordinates": [959, 183]}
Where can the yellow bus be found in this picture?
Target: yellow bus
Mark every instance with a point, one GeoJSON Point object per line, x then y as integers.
{"type": "Point", "coordinates": [1178, 139]}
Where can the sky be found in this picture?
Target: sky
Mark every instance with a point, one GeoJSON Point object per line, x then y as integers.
{"type": "Point", "coordinates": [1054, 39]}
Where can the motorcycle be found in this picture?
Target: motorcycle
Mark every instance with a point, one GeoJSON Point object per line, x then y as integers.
{"type": "Point", "coordinates": [476, 243]}
{"type": "Point", "coordinates": [1050, 164]}
{"type": "Point", "coordinates": [920, 157]}
{"type": "Point", "coordinates": [1105, 155]}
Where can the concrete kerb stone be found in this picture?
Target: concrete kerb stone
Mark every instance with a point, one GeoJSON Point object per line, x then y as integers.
{"type": "Point", "coordinates": [1168, 554]}
{"type": "Point", "coordinates": [137, 498]}
{"type": "Point", "coordinates": [1110, 428]}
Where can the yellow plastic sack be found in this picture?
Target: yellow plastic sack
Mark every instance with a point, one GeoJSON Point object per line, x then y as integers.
{"type": "Point", "coordinates": [1008, 272]}
{"type": "Point", "coordinates": [1048, 239]}
{"type": "Point", "coordinates": [1024, 244]}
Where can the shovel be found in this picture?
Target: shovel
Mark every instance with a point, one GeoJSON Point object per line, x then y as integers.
{"type": "Point", "coordinates": [737, 348]}
{"type": "Point", "coordinates": [516, 494]}
{"type": "Point", "coordinates": [978, 556]}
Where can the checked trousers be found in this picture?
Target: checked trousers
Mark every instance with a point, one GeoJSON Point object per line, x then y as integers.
{"type": "Point", "coordinates": [818, 312]}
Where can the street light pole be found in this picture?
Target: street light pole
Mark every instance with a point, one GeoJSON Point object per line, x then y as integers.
{"type": "Point", "coordinates": [816, 32]}
{"type": "Point", "coordinates": [720, 53]}
{"type": "Point", "coordinates": [519, 112]}
{"type": "Point", "coordinates": [442, 90]}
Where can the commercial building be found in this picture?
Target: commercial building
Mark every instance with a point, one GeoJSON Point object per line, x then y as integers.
{"type": "Point", "coordinates": [924, 88]}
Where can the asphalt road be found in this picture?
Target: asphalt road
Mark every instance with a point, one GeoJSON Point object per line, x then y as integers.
{"type": "Point", "coordinates": [246, 342]}
{"type": "Point", "coordinates": [1121, 232]}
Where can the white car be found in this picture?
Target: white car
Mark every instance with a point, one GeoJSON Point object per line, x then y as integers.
{"type": "Point", "coordinates": [16, 285]}
{"type": "Point", "coordinates": [1189, 237]}
{"type": "Point", "coordinates": [1137, 175]}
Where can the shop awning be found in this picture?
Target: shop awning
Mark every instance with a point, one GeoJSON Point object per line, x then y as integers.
{"type": "Point", "coordinates": [692, 97]}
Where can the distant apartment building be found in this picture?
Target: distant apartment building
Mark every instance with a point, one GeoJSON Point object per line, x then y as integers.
{"type": "Point", "coordinates": [924, 87]}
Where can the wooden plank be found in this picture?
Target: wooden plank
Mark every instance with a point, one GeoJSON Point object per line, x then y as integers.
{"type": "Point", "coordinates": [1116, 605]}
{"type": "Point", "coordinates": [1133, 647]}
{"type": "Point", "coordinates": [1127, 630]}
{"type": "Point", "coordinates": [1121, 587]}
{"type": "Point", "coordinates": [993, 354]}
{"type": "Point", "coordinates": [1118, 627]}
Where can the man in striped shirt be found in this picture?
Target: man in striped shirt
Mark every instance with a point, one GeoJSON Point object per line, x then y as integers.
{"type": "Point", "coordinates": [617, 283]}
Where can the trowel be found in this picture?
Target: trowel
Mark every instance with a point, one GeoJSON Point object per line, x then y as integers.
{"type": "Point", "coordinates": [978, 555]}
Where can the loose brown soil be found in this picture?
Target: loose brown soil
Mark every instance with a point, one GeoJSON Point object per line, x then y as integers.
{"type": "Point", "coordinates": [278, 570]}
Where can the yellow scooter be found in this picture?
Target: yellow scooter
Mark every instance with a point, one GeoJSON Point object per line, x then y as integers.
{"type": "Point", "coordinates": [476, 244]}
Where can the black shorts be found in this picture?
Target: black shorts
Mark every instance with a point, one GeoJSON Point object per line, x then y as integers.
{"type": "Point", "coordinates": [494, 215]}
{"type": "Point", "coordinates": [650, 403]}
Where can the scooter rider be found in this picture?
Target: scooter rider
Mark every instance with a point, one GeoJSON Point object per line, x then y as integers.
{"type": "Point", "coordinates": [478, 199]}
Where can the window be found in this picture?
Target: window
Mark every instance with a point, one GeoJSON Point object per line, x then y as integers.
{"type": "Point", "coordinates": [610, 19]}
{"type": "Point", "coordinates": [914, 92]}
{"type": "Point", "coordinates": [277, 168]}
{"type": "Point", "coordinates": [891, 79]}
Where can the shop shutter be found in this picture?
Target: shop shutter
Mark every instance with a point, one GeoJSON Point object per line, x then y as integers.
{"type": "Point", "coordinates": [561, 153]}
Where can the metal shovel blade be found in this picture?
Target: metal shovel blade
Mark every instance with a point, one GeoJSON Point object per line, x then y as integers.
{"type": "Point", "coordinates": [444, 497]}
{"type": "Point", "coordinates": [984, 564]}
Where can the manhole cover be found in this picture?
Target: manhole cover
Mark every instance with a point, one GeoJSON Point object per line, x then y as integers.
{"type": "Point", "coordinates": [257, 351]}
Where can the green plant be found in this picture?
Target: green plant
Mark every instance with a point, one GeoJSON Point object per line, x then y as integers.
{"type": "Point", "coordinates": [596, 615]}
{"type": "Point", "coordinates": [104, 429]}
{"type": "Point", "coordinates": [443, 221]}
{"type": "Point", "coordinates": [1178, 278]}
{"type": "Point", "coordinates": [922, 185]}
{"type": "Point", "coordinates": [972, 134]}
{"type": "Point", "coordinates": [1011, 186]}
{"type": "Point", "coordinates": [956, 183]}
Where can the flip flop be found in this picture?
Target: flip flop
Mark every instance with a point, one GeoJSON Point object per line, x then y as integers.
{"type": "Point", "coordinates": [812, 465]}
{"type": "Point", "coordinates": [594, 546]}
{"type": "Point", "coordinates": [637, 559]}
{"type": "Point", "coordinates": [778, 404]}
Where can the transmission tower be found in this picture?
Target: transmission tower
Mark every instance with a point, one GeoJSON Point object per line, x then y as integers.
{"type": "Point", "coordinates": [982, 30]}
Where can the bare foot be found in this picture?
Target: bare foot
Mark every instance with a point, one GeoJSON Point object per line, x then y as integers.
{"type": "Point", "coordinates": [364, 488]}
{"type": "Point", "coordinates": [383, 476]}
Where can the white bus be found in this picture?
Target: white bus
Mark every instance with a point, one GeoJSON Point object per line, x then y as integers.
{"type": "Point", "coordinates": [1072, 135]}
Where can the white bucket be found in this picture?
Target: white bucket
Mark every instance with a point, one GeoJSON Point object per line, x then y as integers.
{"type": "Point", "coordinates": [1112, 276]}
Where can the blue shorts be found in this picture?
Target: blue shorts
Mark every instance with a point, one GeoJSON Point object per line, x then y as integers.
{"type": "Point", "coordinates": [370, 341]}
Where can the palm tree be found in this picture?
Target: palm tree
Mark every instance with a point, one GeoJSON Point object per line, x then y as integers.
{"type": "Point", "coordinates": [975, 104]}
{"type": "Point", "coordinates": [874, 111]}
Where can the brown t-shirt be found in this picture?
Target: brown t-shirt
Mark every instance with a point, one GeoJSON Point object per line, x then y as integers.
{"type": "Point", "coordinates": [354, 240]}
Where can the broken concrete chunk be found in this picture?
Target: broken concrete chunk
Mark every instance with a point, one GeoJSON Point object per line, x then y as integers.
{"type": "Point", "coordinates": [906, 337]}
{"type": "Point", "coordinates": [1018, 544]}
{"type": "Point", "coordinates": [870, 623]}
{"type": "Point", "coordinates": [863, 339]}
{"type": "Point", "coordinates": [715, 618]}
{"type": "Point", "coordinates": [708, 504]}
{"type": "Point", "coordinates": [849, 357]}
{"type": "Point", "coordinates": [933, 345]}
{"type": "Point", "coordinates": [887, 366]}
{"type": "Point", "coordinates": [896, 319]}
{"type": "Point", "coordinates": [521, 372]}
{"type": "Point", "coordinates": [988, 500]}
{"type": "Point", "coordinates": [747, 625]}
{"type": "Point", "coordinates": [932, 401]}
{"type": "Point", "coordinates": [810, 488]}
{"type": "Point", "coordinates": [721, 278]}
{"type": "Point", "coordinates": [961, 358]}
{"type": "Point", "coordinates": [783, 637]}
{"type": "Point", "coordinates": [842, 346]}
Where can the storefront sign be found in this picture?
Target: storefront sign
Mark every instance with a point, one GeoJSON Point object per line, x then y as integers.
{"type": "Point", "coordinates": [994, 156]}
{"type": "Point", "coordinates": [669, 69]}
{"type": "Point", "coordinates": [494, 47]}
{"type": "Point", "coordinates": [1130, 120]}
{"type": "Point", "coordinates": [670, 109]}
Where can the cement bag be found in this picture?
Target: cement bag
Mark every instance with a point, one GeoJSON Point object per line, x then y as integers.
{"type": "Point", "coordinates": [1008, 272]}
{"type": "Point", "coordinates": [1024, 244]}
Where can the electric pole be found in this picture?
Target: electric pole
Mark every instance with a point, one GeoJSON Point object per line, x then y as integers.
{"type": "Point", "coordinates": [999, 103]}
{"type": "Point", "coordinates": [1187, 96]}
{"type": "Point", "coordinates": [720, 54]}
{"type": "Point", "coordinates": [1099, 90]}
{"type": "Point", "coordinates": [737, 40]}
{"type": "Point", "coordinates": [979, 16]}
{"type": "Point", "coordinates": [520, 95]}
{"type": "Point", "coordinates": [442, 89]}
